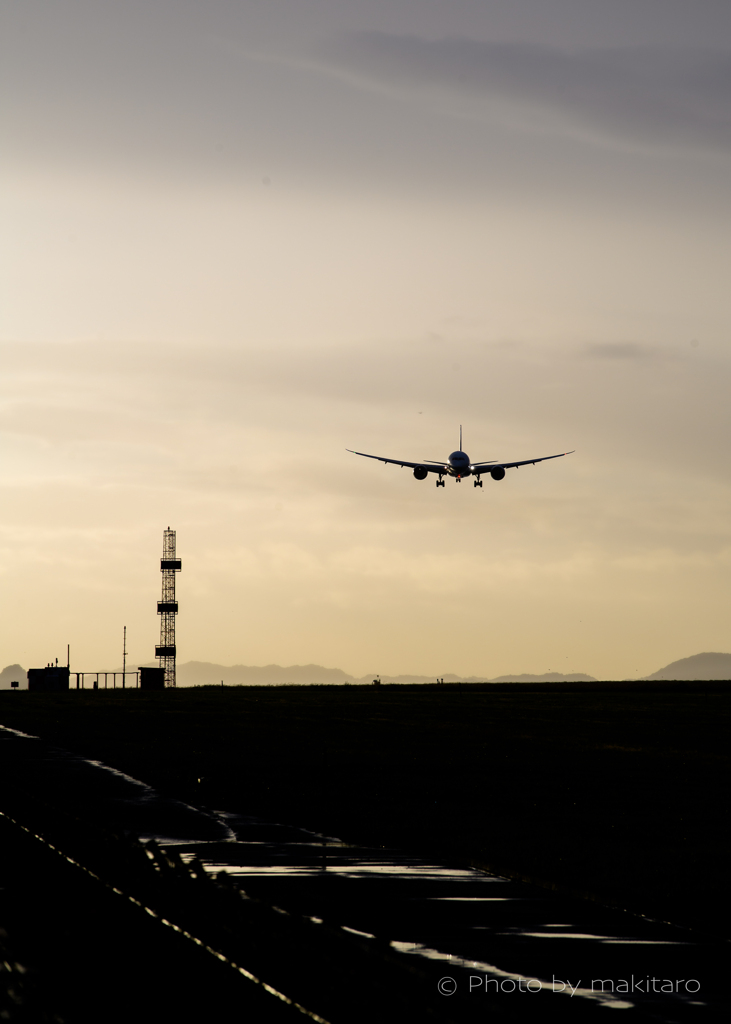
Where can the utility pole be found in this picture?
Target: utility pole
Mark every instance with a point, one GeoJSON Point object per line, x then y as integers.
{"type": "Point", "coordinates": [124, 657]}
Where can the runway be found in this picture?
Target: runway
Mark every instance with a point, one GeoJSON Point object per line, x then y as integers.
{"type": "Point", "coordinates": [449, 939]}
{"type": "Point", "coordinates": [488, 933]}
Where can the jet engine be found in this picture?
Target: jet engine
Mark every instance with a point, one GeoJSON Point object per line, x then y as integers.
{"type": "Point", "coordinates": [420, 473]}
{"type": "Point", "coordinates": [497, 473]}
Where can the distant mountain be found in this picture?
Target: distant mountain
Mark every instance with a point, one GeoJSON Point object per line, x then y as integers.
{"type": "Point", "coordinates": [200, 673]}
{"type": "Point", "coordinates": [13, 673]}
{"type": "Point", "coordinates": [698, 666]}
{"type": "Point", "coordinates": [547, 677]}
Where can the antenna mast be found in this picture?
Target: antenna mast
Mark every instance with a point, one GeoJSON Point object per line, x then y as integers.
{"type": "Point", "coordinates": [167, 608]}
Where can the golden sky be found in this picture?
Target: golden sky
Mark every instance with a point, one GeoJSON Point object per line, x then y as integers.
{"type": "Point", "coordinates": [241, 238]}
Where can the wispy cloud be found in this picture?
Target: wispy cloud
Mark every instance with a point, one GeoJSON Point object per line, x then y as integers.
{"type": "Point", "coordinates": [620, 350]}
{"type": "Point", "coordinates": [646, 97]}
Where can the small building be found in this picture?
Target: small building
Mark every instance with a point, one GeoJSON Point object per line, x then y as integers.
{"type": "Point", "coordinates": [152, 678]}
{"type": "Point", "coordinates": [51, 679]}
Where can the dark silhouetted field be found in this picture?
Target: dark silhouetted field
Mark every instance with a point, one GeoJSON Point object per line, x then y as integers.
{"type": "Point", "coordinates": [616, 791]}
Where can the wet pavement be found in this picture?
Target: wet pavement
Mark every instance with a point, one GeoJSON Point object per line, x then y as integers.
{"type": "Point", "coordinates": [490, 936]}
{"type": "Point", "coordinates": [489, 933]}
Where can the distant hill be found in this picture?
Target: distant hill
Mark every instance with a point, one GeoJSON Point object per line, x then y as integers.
{"type": "Point", "coordinates": [11, 673]}
{"type": "Point", "coordinates": [201, 673]}
{"type": "Point", "coordinates": [698, 666]}
{"type": "Point", "coordinates": [547, 677]}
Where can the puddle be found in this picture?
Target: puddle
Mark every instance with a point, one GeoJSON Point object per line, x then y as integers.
{"type": "Point", "coordinates": [353, 870]}
{"type": "Point", "coordinates": [508, 982]}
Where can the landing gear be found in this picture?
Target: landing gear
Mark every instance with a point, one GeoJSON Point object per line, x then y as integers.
{"type": "Point", "coordinates": [477, 483]}
{"type": "Point", "coordinates": [440, 482]}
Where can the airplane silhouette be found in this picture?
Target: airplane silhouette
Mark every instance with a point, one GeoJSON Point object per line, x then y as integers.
{"type": "Point", "coordinates": [458, 465]}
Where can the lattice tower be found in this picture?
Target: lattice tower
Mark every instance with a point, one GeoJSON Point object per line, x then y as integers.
{"type": "Point", "coordinates": [167, 608]}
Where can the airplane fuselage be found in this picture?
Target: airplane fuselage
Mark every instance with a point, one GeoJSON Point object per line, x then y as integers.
{"type": "Point", "coordinates": [459, 464]}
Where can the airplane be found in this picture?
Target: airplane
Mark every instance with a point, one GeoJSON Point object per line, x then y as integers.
{"type": "Point", "coordinates": [458, 465]}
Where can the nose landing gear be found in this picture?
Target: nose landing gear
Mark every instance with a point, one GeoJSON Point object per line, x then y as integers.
{"type": "Point", "coordinates": [477, 483]}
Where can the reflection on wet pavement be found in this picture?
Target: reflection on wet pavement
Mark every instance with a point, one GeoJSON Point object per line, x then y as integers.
{"type": "Point", "coordinates": [503, 932]}
{"type": "Point", "coordinates": [495, 931]}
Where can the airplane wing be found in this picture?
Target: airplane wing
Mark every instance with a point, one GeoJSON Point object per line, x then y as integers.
{"type": "Point", "coordinates": [485, 467]}
{"type": "Point", "coordinates": [436, 467]}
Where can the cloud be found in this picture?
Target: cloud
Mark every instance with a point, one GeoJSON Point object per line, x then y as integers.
{"type": "Point", "coordinates": [620, 350]}
{"type": "Point", "coordinates": [645, 97]}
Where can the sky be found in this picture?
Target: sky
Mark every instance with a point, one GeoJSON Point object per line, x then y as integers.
{"type": "Point", "coordinates": [242, 237]}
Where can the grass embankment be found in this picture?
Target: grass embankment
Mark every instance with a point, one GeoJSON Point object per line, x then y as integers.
{"type": "Point", "coordinates": [610, 790]}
